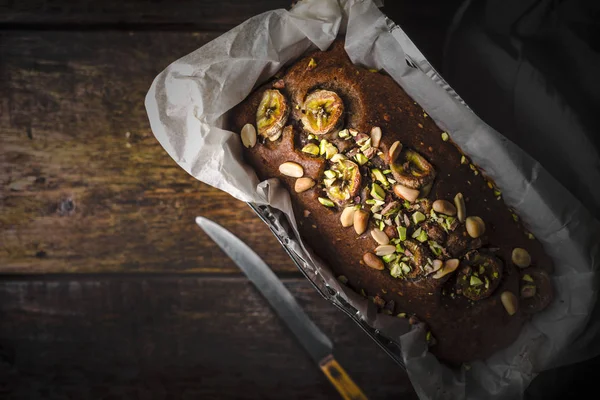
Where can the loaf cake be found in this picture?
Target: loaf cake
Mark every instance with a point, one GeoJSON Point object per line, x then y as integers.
{"type": "Point", "coordinates": [393, 206]}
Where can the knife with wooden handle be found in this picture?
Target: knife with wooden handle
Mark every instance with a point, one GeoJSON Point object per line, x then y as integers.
{"type": "Point", "coordinates": [317, 344]}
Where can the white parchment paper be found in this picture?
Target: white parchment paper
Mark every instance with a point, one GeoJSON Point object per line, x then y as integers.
{"type": "Point", "coordinates": [186, 106]}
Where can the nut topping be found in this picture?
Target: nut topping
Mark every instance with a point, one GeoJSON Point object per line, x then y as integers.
{"type": "Point", "coordinates": [347, 217]}
{"type": "Point", "coordinates": [361, 220]}
{"type": "Point", "coordinates": [444, 207]}
{"type": "Point", "coordinates": [303, 184]}
{"type": "Point", "coordinates": [395, 151]}
{"type": "Point", "coordinates": [380, 237]}
{"type": "Point", "coordinates": [385, 250]}
{"type": "Point", "coordinates": [291, 169]}
{"type": "Point", "coordinates": [248, 135]}
{"type": "Point", "coordinates": [461, 209]}
{"type": "Point", "coordinates": [406, 193]}
{"type": "Point", "coordinates": [510, 303]}
{"type": "Point", "coordinates": [521, 257]}
{"type": "Point", "coordinates": [375, 136]}
{"type": "Point", "coordinates": [372, 261]}
{"type": "Point", "coordinates": [475, 226]}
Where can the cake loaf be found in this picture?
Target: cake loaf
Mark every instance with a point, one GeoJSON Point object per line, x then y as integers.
{"type": "Point", "coordinates": [393, 206]}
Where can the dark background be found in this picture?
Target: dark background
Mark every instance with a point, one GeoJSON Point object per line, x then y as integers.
{"type": "Point", "coordinates": [109, 290]}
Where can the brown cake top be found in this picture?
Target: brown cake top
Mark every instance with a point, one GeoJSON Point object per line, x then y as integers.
{"type": "Point", "coordinates": [393, 206]}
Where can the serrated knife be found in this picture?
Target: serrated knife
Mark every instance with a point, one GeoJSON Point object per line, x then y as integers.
{"type": "Point", "coordinates": [317, 344]}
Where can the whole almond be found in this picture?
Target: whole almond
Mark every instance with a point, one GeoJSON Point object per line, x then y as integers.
{"type": "Point", "coordinates": [361, 220]}
{"type": "Point", "coordinates": [408, 194]}
{"type": "Point", "coordinates": [461, 209]}
{"type": "Point", "coordinates": [291, 169]}
{"type": "Point", "coordinates": [375, 136]}
{"type": "Point", "coordinates": [347, 217]}
{"type": "Point", "coordinates": [248, 135]}
{"type": "Point", "coordinates": [372, 261]}
{"type": "Point", "coordinates": [444, 207]}
{"type": "Point", "coordinates": [394, 151]}
{"type": "Point", "coordinates": [380, 236]}
{"type": "Point", "coordinates": [475, 226]}
{"type": "Point", "coordinates": [510, 302]}
{"type": "Point", "coordinates": [303, 184]}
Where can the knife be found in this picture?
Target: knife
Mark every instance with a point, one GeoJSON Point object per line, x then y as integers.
{"type": "Point", "coordinates": [317, 344]}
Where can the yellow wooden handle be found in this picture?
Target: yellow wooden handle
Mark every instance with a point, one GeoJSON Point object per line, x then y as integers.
{"type": "Point", "coordinates": [341, 380]}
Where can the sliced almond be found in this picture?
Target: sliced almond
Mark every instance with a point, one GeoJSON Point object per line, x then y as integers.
{"type": "Point", "coordinates": [248, 135]}
{"type": "Point", "coordinates": [461, 209]}
{"type": "Point", "coordinates": [475, 227]}
{"type": "Point", "coordinates": [375, 136]}
{"type": "Point", "coordinates": [291, 169]}
{"type": "Point", "coordinates": [444, 207]}
{"type": "Point", "coordinates": [361, 220]}
{"type": "Point", "coordinates": [510, 302]}
{"type": "Point", "coordinates": [372, 261]}
{"type": "Point", "coordinates": [347, 217]}
{"type": "Point", "coordinates": [394, 151]}
{"type": "Point", "coordinates": [449, 266]}
{"type": "Point", "coordinates": [385, 249]}
{"type": "Point", "coordinates": [380, 236]}
{"type": "Point", "coordinates": [303, 184]}
{"type": "Point", "coordinates": [521, 257]}
{"type": "Point", "coordinates": [408, 194]}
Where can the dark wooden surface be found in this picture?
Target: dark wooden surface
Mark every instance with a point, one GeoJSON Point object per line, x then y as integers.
{"type": "Point", "coordinates": [107, 287]}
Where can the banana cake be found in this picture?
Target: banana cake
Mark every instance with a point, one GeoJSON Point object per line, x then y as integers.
{"type": "Point", "coordinates": [393, 206]}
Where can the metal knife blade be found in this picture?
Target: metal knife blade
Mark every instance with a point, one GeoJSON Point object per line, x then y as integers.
{"type": "Point", "coordinates": [318, 345]}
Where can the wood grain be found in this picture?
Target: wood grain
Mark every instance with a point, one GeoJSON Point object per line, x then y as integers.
{"type": "Point", "coordinates": [219, 15]}
{"type": "Point", "coordinates": [85, 186]}
{"type": "Point", "coordinates": [173, 338]}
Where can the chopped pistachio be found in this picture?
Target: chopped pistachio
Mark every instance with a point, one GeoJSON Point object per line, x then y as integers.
{"type": "Point", "coordinates": [395, 270]}
{"type": "Point", "coordinates": [495, 275]}
{"type": "Point", "coordinates": [330, 174]}
{"type": "Point", "coordinates": [399, 248]}
{"type": "Point", "coordinates": [389, 258]}
{"type": "Point", "coordinates": [361, 159]}
{"type": "Point", "coordinates": [405, 267]}
{"type": "Point", "coordinates": [323, 146]}
{"type": "Point", "coordinates": [475, 281]}
{"type": "Point", "coordinates": [445, 136]}
{"type": "Point", "coordinates": [392, 181]}
{"type": "Point", "coordinates": [381, 225]}
{"type": "Point", "coordinates": [312, 63]}
{"type": "Point", "coordinates": [376, 208]}
{"type": "Point", "coordinates": [433, 214]}
{"type": "Point", "coordinates": [463, 160]}
{"type": "Point", "coordinates": [353, 132]}
{"type": "Point", "coordinates": [373, 70]}
{"type": "Point", "coordinates": [330, 151]}
{"type": "Point", "coordinates": [401, 233]}
{"type": "Point", "coordinates": [425, 115]}
{"type": "Point", "coordinates": [311, 136]}
{"type": "Point", "coordinates": [527, 278]}
{"type": "Point", "coordinates": [380, 176]}
{"type": "Point", "coordinates": [422, 237]}
{"type": "Point", "coordinates": [326, 202]}
{"type": "Point", "coordinates": [497, 192]}
{"type": "Point", "coordinates": [377, 192]}
{"type": "Point", "coordinates": [377, 216]}
{"type": "Point", "coordinates": [515, 217]}
{"type": "Point", "coordinates": [416, 233]}
{"type": "Point", "coordinates": [344, 133]}
{"type": "Point", "coordinates": [387, 171]}
{"type": "Point", "coordinates": [366, 145]}
{"type": "Point", "coordinates": [363, 293]}
{"type": "Point", "coordinates": [397, 220]}
{"type": "Point", "coordinates": [418, 217]}
{"type": "Point", "coordinates": [490, 185]}
{"type": "Point", "coordinates": [311, 148]}
{"type": "Point", "coordinates": [530, 236]}
{"type": "Point", "coordinates": [329, 181]}
{"type": "Point", "coordinates": [481, 269]}
{"type": "Point", "coordinates": [342, 279]}
{"type": "Point", "coordinates": [435, 247]}
{"type": "Point", "coordinates": [428, 336]}
{"type": "Point", "coordinates": [401, 315]}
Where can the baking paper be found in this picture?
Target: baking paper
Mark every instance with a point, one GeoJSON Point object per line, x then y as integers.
{"type": "Point", "coordinates": [186, 106]}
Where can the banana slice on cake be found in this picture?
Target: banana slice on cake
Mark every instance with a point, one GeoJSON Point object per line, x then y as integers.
{"type": "Point", "coordinates": [323, 110]}
{"type": "Point", "coordinates": [342, 182]}
{"type": "Point", "coordinates": [412, 170]}
{"type": "Point", "coordinates": [272, 114]}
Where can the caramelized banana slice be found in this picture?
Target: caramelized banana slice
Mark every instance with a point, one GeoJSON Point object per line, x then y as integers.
{"type": "Point", "coordinates": [480, 276]}
{"type": "Point", "coordinates": [342, 181]}
{"type": "Point", "coordinates": [412, 170]}
{"type": "Point", "coordinates": [536, 290]}
{"type": "Point", "coordinates": [322, 111]}
{"type": "Point", "coordinates": [272, 114]}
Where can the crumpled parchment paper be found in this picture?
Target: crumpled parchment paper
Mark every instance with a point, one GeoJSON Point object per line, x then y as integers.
{"type": "Point", "coordinates": [186, 106]}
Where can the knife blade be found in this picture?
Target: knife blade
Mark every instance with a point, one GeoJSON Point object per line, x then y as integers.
{"type": "Point", "coordinates": [314, 341]}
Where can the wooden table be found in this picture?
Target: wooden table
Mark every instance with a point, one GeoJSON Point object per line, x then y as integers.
{"type": "Point", "coordinates": [109, 289]}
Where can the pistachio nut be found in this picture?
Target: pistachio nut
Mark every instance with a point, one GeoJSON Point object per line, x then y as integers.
{"type": "Point", "coordinates": [475, 226]}
{"type": "Point", "coordinates": [521, 257]}
{"type": "Point", "coordinates": [510, 302]}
